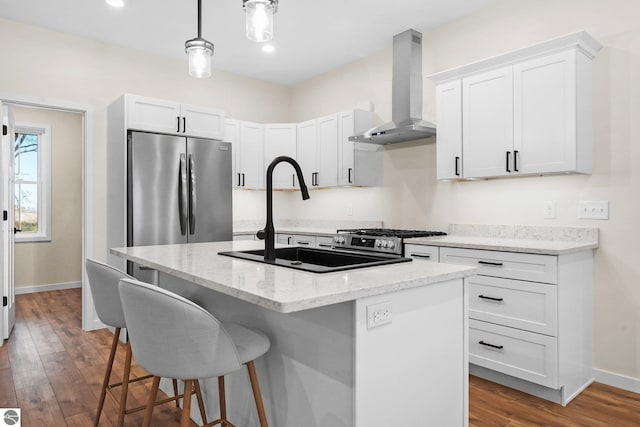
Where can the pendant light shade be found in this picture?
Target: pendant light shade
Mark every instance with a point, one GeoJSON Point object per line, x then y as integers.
{"type": "Point", "coordinates": [200, 51]}
{"type": "Point", "coordinates": [259, 19]}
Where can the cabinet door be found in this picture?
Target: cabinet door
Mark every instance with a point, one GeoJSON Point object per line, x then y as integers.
{"type": "Point", "coordinates": [487, 123]}
{"type": "Point", "coordinates": [280, 140]}
{"type": "Point", "coordinates": [251, 155]}
{"type": "Point", "coordinates": [346, 164]}
{"type": "Point", "coordinates": [328, 151]}
{"type": "Point", "coordinates": [449, 136]}
{"type": "Point", "coordinates": [307, 151]}
{"type": "Point", "coordinates": [545, 114]}
{"type": "Point", "coordinates": [232, 135]}
{"type": "Point", "coordinates": [202, 122]}
{"type": "Point", "coordinates": [154, 115]}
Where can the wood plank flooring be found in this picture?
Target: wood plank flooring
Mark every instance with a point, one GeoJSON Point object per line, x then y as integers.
{"type": "Point", "coordinates": [53, 371]}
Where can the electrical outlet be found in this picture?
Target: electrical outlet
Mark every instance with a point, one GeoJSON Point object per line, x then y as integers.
{"type": "Point", "coordinates": [549, 210]}
{"type": "Point", "coordinates": [379, 314]}
{"type": "Point", "coordinates": [593, 209]}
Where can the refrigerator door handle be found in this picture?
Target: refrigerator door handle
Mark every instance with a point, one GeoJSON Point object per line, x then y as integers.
{"type": "Point", "coordinates": [192, 195]}
{"type": "Point", "coordinates": [182, 195]}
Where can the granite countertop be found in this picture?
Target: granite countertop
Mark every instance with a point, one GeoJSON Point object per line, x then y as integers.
{"type": "Point", "coordinates": [512, 238]}
{"type": "Point", "coordinates": [292, 230]}
{"type": "Point", "coordinates": [311, 227]}
{"type": "Point", "coordinates": [279, 288]}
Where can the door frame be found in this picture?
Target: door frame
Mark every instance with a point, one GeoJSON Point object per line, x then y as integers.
{"type": "Point", "coordinates": [90, 320]}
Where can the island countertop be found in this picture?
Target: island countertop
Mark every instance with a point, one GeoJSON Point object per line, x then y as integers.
{"type": "Point", "coordinates": [283, 289]}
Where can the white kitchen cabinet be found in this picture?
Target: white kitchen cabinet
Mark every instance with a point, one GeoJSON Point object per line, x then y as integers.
{"type": "Point", "coordinates": [304, 240]}
{"type": "Point", "coordinates": [327, 159]}
{"type": "Point", "coordinates": [449, 136]}
{"type": "Point", "coordinates": [157, 115]}
{"type": "Point", "coordinates": [280, 140]}
{"type": "Point", "coordinates": [360, 164]}
{"type": "Point", "coordinates": [552, 114]}
{"type": "Point", "coordinates": [249, 236]}
{"type": "Point", "coordinates": [530, 319]}
{"type": "Point", "coordinates": [307, 151]}
{"type": "Point", "coordinates": [421, 252]}
{"type": "Point", "coordinates": [232, 135]}
{"type": "Point", "coordinates": [526, 112]}
{"type": "Point", "coordinates": [487, 123]}
{"type": "Point", "coordinates": [284, 239]}
{"type": "Point", "coordinates": [251, 155]}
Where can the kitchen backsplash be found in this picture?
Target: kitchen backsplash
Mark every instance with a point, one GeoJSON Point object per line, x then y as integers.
{"type": "Point", "coordinates": [528, 232]}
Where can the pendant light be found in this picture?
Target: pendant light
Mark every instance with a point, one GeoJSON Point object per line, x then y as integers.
{"type": "Point", "coordinates": [200, 51]}
{"type": "Point", "coordinates": [260, 19]}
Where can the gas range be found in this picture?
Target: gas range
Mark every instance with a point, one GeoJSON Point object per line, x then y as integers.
{"type": "Point", "coordinates": [382, 240]}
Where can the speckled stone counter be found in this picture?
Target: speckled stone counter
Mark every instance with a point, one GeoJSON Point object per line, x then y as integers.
{"type": "Point", "coordinates": [312, 227]}
{"type": "Point", "coordinates": [513, 238]}
{"type": "Point", "coordinates": [278, 288]}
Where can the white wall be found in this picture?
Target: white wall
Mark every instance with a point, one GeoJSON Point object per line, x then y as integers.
{"type": "Point", "coordinates": [412, 197]}
{"type": "Point", "coordinates": [42, 63]}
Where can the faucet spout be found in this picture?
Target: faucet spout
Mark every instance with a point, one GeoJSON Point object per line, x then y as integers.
{"type": "Point", "coordinates": [268, 234]}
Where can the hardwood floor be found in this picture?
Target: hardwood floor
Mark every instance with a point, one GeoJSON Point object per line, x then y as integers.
{"type": "Point", "coordinates": [53, 371]}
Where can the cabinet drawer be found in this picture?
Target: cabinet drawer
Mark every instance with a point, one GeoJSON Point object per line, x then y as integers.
{"type": "Point", "coordinates": [420, 252]}
{"type": "Point", "coordinates": [324, 242]}
{"type": "Point", "coordinates": [523, 305]}
{"type": "Point", "coordinates": [284, 239]}
{"type": "Point", "coordinates": [525, 355]}
{"type": "Point", "coordinates": [510, 265]}
{"type": "Point", "coordinates": [302, 240]}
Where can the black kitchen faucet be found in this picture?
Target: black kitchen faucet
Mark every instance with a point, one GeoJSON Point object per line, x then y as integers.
{"type": "Point", "coordinates": [268, 233]}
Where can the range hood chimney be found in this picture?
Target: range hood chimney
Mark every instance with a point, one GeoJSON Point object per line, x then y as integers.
{"type": "Point", "coordinates": [406, 114]}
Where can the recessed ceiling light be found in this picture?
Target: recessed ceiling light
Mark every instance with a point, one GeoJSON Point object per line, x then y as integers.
{"type": "Point", "coordinates": [115, 3]}
{"type": "Point", "coordinates": [268, 48]}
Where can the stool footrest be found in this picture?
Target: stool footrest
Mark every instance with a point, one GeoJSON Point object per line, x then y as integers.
{"type": "Point", "coordinates": [223, 423]}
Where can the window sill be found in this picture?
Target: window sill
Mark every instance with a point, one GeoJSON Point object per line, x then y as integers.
{"type": "Point", "coordinates": [32, 238]}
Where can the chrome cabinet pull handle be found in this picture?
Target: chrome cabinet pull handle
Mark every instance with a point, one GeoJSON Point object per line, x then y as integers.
{"type": "Point", "coordinates": [182, 195]}
{"type": "Point", "coordinates": [192, 195]}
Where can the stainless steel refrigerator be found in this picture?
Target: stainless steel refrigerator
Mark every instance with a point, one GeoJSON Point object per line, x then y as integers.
{"type": "Point", "coordinates": [178, 191]}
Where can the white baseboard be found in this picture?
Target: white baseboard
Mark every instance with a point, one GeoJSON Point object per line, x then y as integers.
{"type": "Point", "coordinates": [49, 287]}
{"type": "Point", "coordinates": [616, 380]}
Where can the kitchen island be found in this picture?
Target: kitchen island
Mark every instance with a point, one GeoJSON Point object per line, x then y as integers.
{"type": "Point", "coordinates": [332, 362]}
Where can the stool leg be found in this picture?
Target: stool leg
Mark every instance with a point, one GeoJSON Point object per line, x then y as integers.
{"type": "Point", "coordinates": [253, 377]}
{"type": "Point", "coordinates": [186, 405]}
{"type": "Point", "coordinates": [222, 398]}
{"type": "Point", "coordinates": [203, 413]}
{"type": "Point", "coordinates": [175, 392]}
{"type": "Point", "coordinates": [125, 386]}
{"type": "Point", "coordinates": [107, 376]}
{"type": "Point", "coordinates": [150, 404]}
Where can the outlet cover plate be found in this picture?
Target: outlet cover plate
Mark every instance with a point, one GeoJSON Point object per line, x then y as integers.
{"type": "Point", "coordinates": [379, 314]}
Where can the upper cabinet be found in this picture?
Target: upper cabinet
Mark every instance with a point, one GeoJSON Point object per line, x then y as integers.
{"type": "Point", "coordinates": [327, 160]}
{"type": "Point", "coordinates": [251, 155]}
{"type": "Point", "coordinates": [307, 151]}
{"type": "Point", "coordinates": [280, 140]}
{"type": "Point", "coordinates": [527, 112]}
{"type": "Point", "coordinates": [157, 115]}
{"type": "Point", "coordinates": [359, 164]}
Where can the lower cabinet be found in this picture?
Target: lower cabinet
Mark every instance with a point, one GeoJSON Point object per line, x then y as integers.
{"type": "Point", "coordinates": [312, 241]}
{"type": "Point", "coordinates": [530, 317]}
{"type": "Point", "coordinates": [244, 237]}
{"type": "Point", "coordinates": [423, 253]}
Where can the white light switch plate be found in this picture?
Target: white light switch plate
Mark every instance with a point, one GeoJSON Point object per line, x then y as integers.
{"type": "Point", "coordinates": [549, 210]}
{"type": "Point", "coordinates": [593, 209]}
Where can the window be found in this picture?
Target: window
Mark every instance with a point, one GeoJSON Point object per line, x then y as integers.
{"type": "Point", "coordinates": [32, 181]}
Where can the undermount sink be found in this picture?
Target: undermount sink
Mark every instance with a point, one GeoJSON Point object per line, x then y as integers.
{"type": "Point", "coordinates": [317, 260]}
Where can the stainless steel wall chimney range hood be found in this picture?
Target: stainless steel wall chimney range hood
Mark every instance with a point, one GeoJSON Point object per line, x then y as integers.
{"type": "Point", "coordinates": [406, 113]}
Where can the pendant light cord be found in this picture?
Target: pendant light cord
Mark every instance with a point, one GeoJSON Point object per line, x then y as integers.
{"type": "Point", "coordinates": [199, 19]}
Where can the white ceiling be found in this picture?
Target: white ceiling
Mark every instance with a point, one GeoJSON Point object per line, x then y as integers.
{"type": "Point", "coordinates": [311, 36]}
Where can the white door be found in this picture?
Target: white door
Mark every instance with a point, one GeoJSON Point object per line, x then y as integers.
{"type": "Point", "coordinates": [487, 123]}
{"type": "Point", "coordinates": [345, 130]}
{"type": "Point", "coordinates": [232, 135]}
{"type": "Point", "coordinates": [202, 122]}
{"type": "Point", "coordinates": [7, 243]}
{"type": "Point", "coordinates": [280, 140]}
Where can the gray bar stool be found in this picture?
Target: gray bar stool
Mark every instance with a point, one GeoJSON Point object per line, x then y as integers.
{"type": "Point", "coordinates": [176, 338]}
{"type": "Point", "coordinates": [103, 281]}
